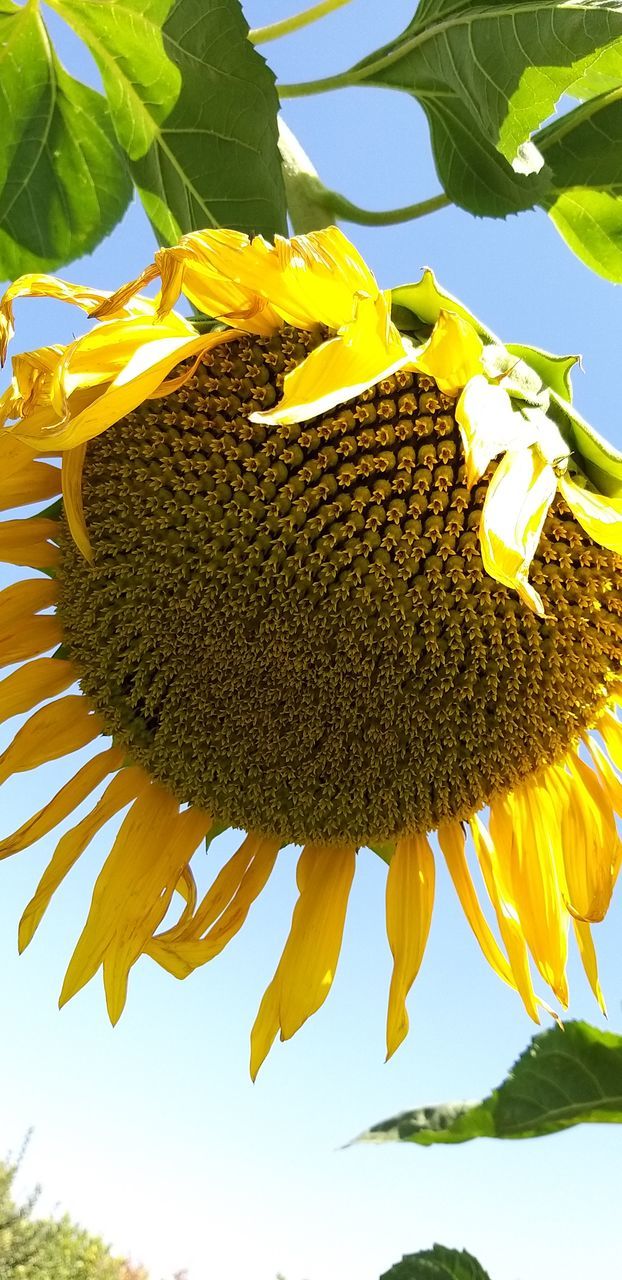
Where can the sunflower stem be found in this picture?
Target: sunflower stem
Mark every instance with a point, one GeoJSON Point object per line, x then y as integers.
{"type": "Point", "coordinates": [274, 30]}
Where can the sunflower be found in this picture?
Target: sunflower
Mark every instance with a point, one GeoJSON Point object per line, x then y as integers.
{"type": "Point", "coordinates": [335, 567]}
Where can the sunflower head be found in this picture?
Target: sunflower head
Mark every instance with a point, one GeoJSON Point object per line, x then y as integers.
{"type": "Point", "coordinates": [342, 570]}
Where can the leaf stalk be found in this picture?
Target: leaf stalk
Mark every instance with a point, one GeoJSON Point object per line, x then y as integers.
{"type": "Point", "coordinates": [274, 30]}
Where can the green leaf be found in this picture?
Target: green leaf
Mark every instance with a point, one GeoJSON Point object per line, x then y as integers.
{"type": "Point", "coordinates": [584, 155]}
{"type": "Point", "coordinates": [63, 180]}
{"type": "Point", "coordinates": [473, 173]}
{"type": "Point", "coordinates": [488, 75]}
{"type": "Point", "coordinates": [141, 83]}
{"type": "Point", "coordinates": [215, 160]}
{"type": "Point", "coordinates": [564, 1078]}
{"type": "Point", "coordinates": [437, 1263]}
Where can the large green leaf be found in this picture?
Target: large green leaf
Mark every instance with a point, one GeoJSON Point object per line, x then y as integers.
{"type": "Point", "coordinates": [488, 75]}
{"type": "Point", "coordinates": [215, 160]}
{"type": "Point", "coordinates": [125, 38]}
{"type": "Point", "coordinates": [63, 179]}
{"type": "Point", "coordinates": [584, 155]}
{"type": "Point", "coordinates": [564, 1077]}
{"type": "Point", "coordinates": [437, 1263]}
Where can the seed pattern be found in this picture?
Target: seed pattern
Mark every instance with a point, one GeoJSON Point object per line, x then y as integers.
{"type": "Point", "coordinates": [292, 627]}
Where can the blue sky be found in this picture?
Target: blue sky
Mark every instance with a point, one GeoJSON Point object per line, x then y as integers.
{"type": "Point", "coordinates": [152, 1134]}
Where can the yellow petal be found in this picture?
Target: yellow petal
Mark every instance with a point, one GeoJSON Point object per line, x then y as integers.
{"type": "Point", "coordinates": [25, 542]}
{"type": "Point", "coordinates": [38, 482]}
{"type": "Point", "coordinates": [147, 895]}
{"type": "Point", "coordinates": [64, 802]}
{"type": "Point", "coordinates": [453, 353]}
{"type": "Point", "coordinates": [516, 506]}
{"type": "Point", "coordinates": [73, 506]}
{"type": "Point", "coordinates": [53, 731]}
{"type": "Point", "coordinates": [19, 601]}
{"type": "Point", "coordinates": [489, 425]}
{"type": "Point", "coordinates": [15, 457]}
{"type": "Point", "coordinates": [607, 775]}
{"type": "Point", "coordinates": [22, 642]}
{"type": "Point", "coordinates": [307, 280]}
{"type": "Point", "coordinates": [183, 950]}
{"type": "Point", "coordinates": [33, 683]}
{"type": "Point", "coordinates": [23, 635]}
{"type": "Point", "coordinates": [124, 787]}
{"type": "Point", "coordinates": [601, 517]}
{"type": "Point", "coordinates": [610, 729]}
{"type": "Point", "coordinates": [186, 887]}
{"type": "Point", "coordinates": [312, 949]}
{"type": "Point", "coordinates": [589, 840]}
{"type": "Point", "coordinates": [266, 1024]}
{"type": "Point", "coordinates": [451, 839]}
{"type": "Point", "coordinates": [364, 352]}
{"type": "Point", "coordinates": [314, 279]}
{"type": "Point", "coordinates": [410, 898]}
{"type": "Point", "coordinates": [507, 917]}
{"type": "Point", "coordinates": [218, 896]}
{"type": "Point", "coordinates": [587, 951]}
{"type": "Point", "coordinates": [186, 268]}
{"type": "Point", "coordinates": [133, 864]}
{"type": "Point", "coordinates": [525, 830]}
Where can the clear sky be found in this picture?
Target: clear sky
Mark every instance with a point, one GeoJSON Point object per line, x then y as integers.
{"type": "Point", "coordinates": [152, 1134]}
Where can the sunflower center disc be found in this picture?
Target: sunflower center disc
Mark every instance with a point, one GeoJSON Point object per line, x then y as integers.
{"type": "Point", "coordinates": [292, 627]}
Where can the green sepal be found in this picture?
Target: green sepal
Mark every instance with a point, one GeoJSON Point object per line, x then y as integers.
{"type": "Point", "coordinates": [417, 307]}
{"type": "Point", "coordinates": [383, 849]}
{"type": "Point", "coordinates": [53, 512]}
{"type": "Point", "coordinates": [519, 379]}
{"type": "Point", "coordinates": [600, 460]}
{"type": "Point", "coordinates": [216, 829]}
{"type": "Point", "coordinates": [553, 370]}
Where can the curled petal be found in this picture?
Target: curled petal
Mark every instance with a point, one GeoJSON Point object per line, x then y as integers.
{"type": "Point", "coordinates": [364, 352]}
{"type": "Point", "coordinates": [489, 425]}
{"type": "Point", "coordinates": [453, 353]}
{"type": "Point", "coordinates": [103, 376]}
{"type": "Point", "coordinates": [256, 286]}
{"type": "Point", "coordinates": [42, 286]}
{"type": "Point", "coordinates": [517, 502]}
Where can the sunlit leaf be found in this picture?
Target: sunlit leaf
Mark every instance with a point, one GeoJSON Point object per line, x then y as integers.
{"type": "Point", "coordinates": [564, 1078]}
{"type": "Point", "coordinates": [488, 75]}
{"type": "Point", "coordinates": [125, 38]}
{"type": "Point", "coordinates": [63, 179]}
{"type": "Point", "coordinates": [215, 160]}
{"type": "Point", "coordinates": [584, 155]}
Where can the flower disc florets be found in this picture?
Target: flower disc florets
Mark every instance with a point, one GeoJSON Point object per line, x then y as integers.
{"type": "Point", "coordinates": [331, 580]}
{"type": "Point", "coordinates": [291, 625]}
